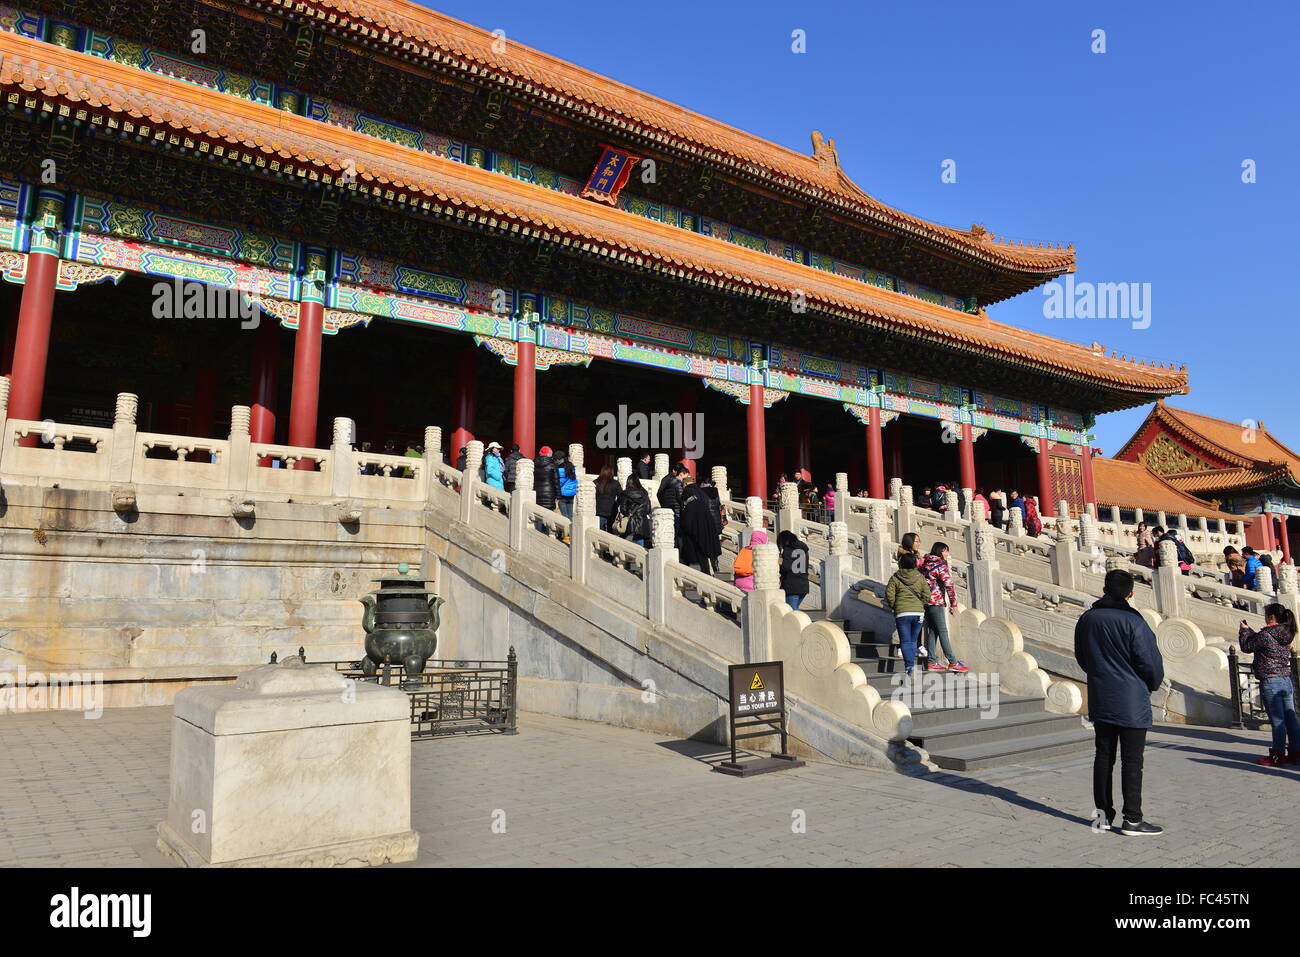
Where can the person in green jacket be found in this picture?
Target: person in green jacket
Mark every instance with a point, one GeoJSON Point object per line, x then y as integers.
{"type": "Point", "coordinates": [907, 594]}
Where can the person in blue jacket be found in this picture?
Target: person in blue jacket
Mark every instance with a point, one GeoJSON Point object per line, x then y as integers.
{"type": "Point", "coordinates": [1248, 579]}
{"type": "Point", "coordinates": [493, 467]}
{"type": "Point", "coordinates": [1116, 649]}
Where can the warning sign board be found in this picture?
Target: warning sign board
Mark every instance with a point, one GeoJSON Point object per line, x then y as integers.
{"type": "Point", "coordinates": [756, 689]}
{"type": "Point", "coordinates": [757, 711]}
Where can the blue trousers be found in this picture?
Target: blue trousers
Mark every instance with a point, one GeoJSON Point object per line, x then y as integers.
{"type": "Point", "coordinates": [1279, 701]}
{"type": "Point", "coordinates": [909, 637]}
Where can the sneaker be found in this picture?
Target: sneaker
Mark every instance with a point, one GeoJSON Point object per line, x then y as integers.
{"type": "Point", "coordinates": [1270, 760]}
{"type": "Point", "coordinates": [921, 652]}
{"type": "Point", "coordinates": [958, 666]}
{"type": "Point", "coordinates": [1140, 829]}
{"type": "Point", "coordinates": [937, 666]}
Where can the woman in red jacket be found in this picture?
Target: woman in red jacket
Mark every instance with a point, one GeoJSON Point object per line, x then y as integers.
{"type": "Point", "coordinates": [943, 597]}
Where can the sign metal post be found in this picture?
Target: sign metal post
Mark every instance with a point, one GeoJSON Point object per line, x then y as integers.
{"type": "Point", "coordinates": [757, 701]}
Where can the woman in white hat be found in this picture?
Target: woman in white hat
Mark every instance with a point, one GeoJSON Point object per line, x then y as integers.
{"type": "Point", "coordinates": [493, 467]}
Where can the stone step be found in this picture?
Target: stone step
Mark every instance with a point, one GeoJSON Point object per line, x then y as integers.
{"type": "Point", "coordinates": [996, 754]}
{"type": "Point", "coordinates": [970, 729]}
{"type": "Point", "coordinates": [925, 719]}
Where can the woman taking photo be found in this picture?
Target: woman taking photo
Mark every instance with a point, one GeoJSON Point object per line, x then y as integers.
{"type": "Point", "coordinates": [1271, 646]}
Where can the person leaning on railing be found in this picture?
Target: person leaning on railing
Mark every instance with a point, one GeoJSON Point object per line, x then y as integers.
{"type": "Point", "coordinates": [1271, 665]}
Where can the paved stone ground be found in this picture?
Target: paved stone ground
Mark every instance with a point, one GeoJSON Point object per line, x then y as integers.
{"type": "Point", "coordinates": [89, 793]}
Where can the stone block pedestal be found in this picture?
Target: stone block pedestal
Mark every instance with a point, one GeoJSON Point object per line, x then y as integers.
{"type": "Point", "coordinates": [292, 766]}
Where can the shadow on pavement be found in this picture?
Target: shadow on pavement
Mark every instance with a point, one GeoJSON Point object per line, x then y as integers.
{"type": "Point", "coordinates": [1015, 798]}
{"type": "Point", "coordinates": [706, 752]}
{"type": "Point", "coordinates": [1220, 735]}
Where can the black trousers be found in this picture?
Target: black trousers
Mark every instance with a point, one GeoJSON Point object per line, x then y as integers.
{"type": "Point", "coordinates": [1130, 742]}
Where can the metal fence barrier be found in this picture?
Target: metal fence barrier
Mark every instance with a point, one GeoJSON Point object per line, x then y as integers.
{"type": "Point", "coordinates": [1247, 703]}
{"type": "Point", "coordinates": [454, 695]}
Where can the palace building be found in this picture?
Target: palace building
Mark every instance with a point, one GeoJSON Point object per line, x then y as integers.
{"type": "Point", "coordinates": [438, 224]}
{"type": "Point", "coordinates": [1238, 467]}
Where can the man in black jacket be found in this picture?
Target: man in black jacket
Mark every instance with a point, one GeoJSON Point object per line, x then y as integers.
{"type": "Point", "coordinates": [508, 467]}
{"type": "Point", "coordinates": [1117, 650]}
{"type": "Point", "coordinates": [643, 467]}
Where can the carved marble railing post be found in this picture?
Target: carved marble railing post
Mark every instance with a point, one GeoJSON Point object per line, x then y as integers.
{"type": "Point", "coordinates": [469, 480]}
{"type": "Point", "coordinates": [985, 588]}
{"type": "Point", "coordinates": [1162, 520]}
{"type": "Point", "coordinates": [1264, 580]}
{"type": "Point", "coordinates": [576, 455]}
{"type": "Point", "coordinates": [896, 490]}
{"type": "Point", "coordinates": [753, 516]}
{"type": "Point", "coordinates": [719, 475]}
{"type": "Point", "coordinates": [835, 566]}
{"type": "Point", "coordinates": [841, 510]}
{"type": "Point", "coordinates": [1288, 589]}
{"type": "Point", "coordinates": [976, 512]}
{"type": "Point", "coordinates": [904, 514]}
{"type": "Point", "coordinates": [121, 455]}
{"type": "Point", "coordinates": [953, 513]}
{"type": "Point", "coordinates": [759, 603]}
{"type": "Point", "coordinates": [523, 496]}
{"type": "Point", "coordinates": [432, 445]}
{"type": "Point", "coordinates": [1118, 536]}
{"type": "Point", "coordinates": [241, 448]}
{"type": "Point", "coordinates": [966, 499]}
{"type": "Point", "coordinates": [1203, 526]}
{"type": "Point", "coordinates": [1170, 585]}
{"type": "Point", "coordinates": [1139, 516]}
{"type": "Point", "coordinates": [1222, 526]}
{"type": "Point", "coordinates": [787, 507]}
{"type": "Point", "coordinates": [4, 420]}
{"type": "Point", "coordinates": [663, 549]}
{"type": "Point", "coordinates": [877, 559]}
{"type": "Point", "coordinates": [584, 521]}
{"type": "Point", "coordinates": [660, 472]}
{"type": "Point", "coordinates": [1090, 541]}
{"type": "Point", "coordinates": [1183, 530]}
{"type": "Point", "coordinates": [432, 458]}
{"type": "Point", "coordinates": [1017, 521]}
{"type": "Point", "coordinates": [1065, 558]}
{"type": "Point", "coordinates": [1241, 529]}
{"type": "Point", "coordinates": [623, 471]}
{"type": "Point", "coordinates": [342, 457]}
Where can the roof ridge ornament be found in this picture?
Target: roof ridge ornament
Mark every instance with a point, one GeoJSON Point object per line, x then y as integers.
{"type": "Point", "coordinates": [824, 152]}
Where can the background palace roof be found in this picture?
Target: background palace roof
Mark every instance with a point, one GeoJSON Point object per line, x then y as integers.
{"type": "Point", "coordinates": [1213, 455]}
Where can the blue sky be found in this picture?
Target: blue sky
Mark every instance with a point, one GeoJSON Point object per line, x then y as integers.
{"type": "Point", "coordinates": [1134, 155]}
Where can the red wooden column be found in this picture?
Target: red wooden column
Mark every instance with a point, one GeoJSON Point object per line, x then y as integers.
{"type": "Point", "coordinates": [464, 400]}
{"type": "Point", "coordinates": [966, 451]}
{"type": "Point", "coordinates": [875, 455]}
{"type": "Point", "coordinates": [36, 310]}
{"type": "Point", "coordinates": [203, 409]}
{"type": "Point", "coordinates": [263, 379]}
{"type": "Point", "coordinates": [304, 397]}
{"type": "Point", "coordinates": [687, 406]}
{"type": "Point", "coordinates": [894, 449]}
{"type": "Point", "coordinates": [525, 420]}
{"type": "Point", "coordinates": [1045, 504]}
{"type": "Point", "coordinates": [1284, 539]}
{"type": "Point", "coordinates": [756, 430]}
{"type": "Point", "coordinates": [1089, 489]}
